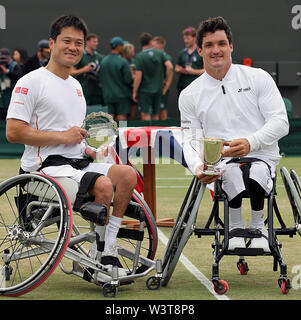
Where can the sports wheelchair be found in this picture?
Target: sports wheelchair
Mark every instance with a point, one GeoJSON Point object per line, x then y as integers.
{"type": "Point", "coordinates": [186, 225]}
{"type": "Point", "coordinates": [38, 229]}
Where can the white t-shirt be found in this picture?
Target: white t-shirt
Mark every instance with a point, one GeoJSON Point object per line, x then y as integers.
{"type": "Point", "coordinates": [48, 103]}
{"type": "Point", "coordinates": [246, 103]}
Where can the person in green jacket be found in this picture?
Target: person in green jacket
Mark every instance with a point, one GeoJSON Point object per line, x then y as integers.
{"type": "Point", "coordinates": [159, 43]}
{"type": "Point", "coordinates": [87, 71]}
{"type": "Point", "coordinates": [149, 84]}
{"type": "Point", "coordinates": [189, 65]}
{"type": "Point", "coordinates": [116, 80]}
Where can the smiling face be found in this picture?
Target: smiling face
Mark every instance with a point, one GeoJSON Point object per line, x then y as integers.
{"type": "Point", "coordinates": [216, 52]}
{"type": "Point", "coordinates": [68, 48]}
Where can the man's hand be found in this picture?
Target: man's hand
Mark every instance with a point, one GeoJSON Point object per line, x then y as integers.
{"type": "Point", "coordinates": [99, 155]}
{"type": "Point", "coordinates": [237, 148]}
{"type": "Point", "coordinates": [207, 179]}
{"type": "Point", "coordinates": [74, 135]}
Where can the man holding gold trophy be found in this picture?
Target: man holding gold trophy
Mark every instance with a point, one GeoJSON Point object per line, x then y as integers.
{"type": "Point", "coordinates": [234, 112]}
{"type": "Point", "coordinates": [47, 114]}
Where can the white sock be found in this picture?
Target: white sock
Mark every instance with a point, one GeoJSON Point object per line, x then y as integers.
{"type": "Point", "coordinates": [112, 229]}
{"type": "Point", "coordinates": [235, 220]}
{"type": "Point", "coordinates": [257, 221]}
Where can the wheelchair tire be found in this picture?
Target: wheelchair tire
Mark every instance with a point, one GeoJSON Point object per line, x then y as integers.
{"type": "Point", "coordinates": [183, 229]}
{"type": "Point", "coordinates": [292, 187]}
{"type": "Point", "coordinates": [35, 228]}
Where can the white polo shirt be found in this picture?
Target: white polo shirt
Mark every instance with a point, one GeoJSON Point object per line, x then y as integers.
{"type": "Point", "coordinates": [50, 103]}
{"type": "Point", "coordinates": [246, 103]}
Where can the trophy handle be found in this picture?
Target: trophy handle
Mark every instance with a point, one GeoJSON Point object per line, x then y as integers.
{"type": "Point", "coordinates": [190, 142]}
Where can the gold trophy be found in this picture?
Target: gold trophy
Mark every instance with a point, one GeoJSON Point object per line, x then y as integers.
{"type": "Point", "coordinates": [212, 149]}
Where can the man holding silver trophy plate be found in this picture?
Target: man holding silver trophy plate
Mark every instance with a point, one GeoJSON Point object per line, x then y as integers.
{"type": "Point", "coordinates": [233, 111]}
{"type": "Point", "coordinates": [47, 114]}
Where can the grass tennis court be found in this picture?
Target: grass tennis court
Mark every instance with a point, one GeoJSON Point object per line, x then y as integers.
{"type": "Point", "coordinates": [172, 183]}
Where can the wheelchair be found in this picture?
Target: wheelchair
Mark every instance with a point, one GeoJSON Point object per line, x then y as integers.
{"type": "Point", "coordinates": [218, 227]}
{"type": "Point", "coordinates": [38, 229]}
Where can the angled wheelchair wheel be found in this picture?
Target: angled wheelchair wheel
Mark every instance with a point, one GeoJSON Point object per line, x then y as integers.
{"type": "Point", "coordinates": [183, 229]}
{"type": "Point", "coordinates": [293, 190]}
{"type": "Point", "coordinates": [135, 237]}
{"type": "Point", "coordinates": [35, 228]}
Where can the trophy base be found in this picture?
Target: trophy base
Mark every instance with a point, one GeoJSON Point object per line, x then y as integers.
{"type": "Point", "coordinates": [210, 173]}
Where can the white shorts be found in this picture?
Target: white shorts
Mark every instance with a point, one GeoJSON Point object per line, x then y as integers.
{"type": "Point", "coordinates": [76, 174]}
{"type": "Point", "coordinates": [232, 178]}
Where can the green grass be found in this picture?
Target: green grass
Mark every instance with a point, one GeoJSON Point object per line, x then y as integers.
{"type": "Point", "coordinates": [172, 183]}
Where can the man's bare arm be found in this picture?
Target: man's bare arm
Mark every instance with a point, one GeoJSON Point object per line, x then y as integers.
{"type": "Point", "coordinates": [18, 131]}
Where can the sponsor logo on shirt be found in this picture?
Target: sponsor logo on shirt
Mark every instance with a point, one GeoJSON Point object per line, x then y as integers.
{"type": "Point", "coordinates": [244, 89]}
{"type": "Point", "coordinates": [79, 93]}
{"type": "Point", "coordinates": [21, 90]}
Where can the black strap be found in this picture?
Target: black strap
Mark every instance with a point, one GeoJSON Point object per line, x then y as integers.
{"type": "Point", "coordinates": [57, 160]}
{"type": "Point", "coordinates": [246, 233]}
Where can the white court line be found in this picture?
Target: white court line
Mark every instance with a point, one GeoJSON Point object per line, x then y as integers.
{"type": "Point", "coordinates": [194, 270]}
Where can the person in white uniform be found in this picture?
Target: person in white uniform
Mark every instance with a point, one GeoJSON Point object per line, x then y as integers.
{"type": "Point", "coordinates": [243, 106]}
{"type": "Point", "coordinates": [46, 113]}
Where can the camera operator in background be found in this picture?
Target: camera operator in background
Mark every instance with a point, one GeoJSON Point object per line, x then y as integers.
{"type": "Point", "coordinates": [40, 59]}
{"type": "Point", "coordinates": [87, 71]}
{"type": "Point", "coordinates": [10, 73]}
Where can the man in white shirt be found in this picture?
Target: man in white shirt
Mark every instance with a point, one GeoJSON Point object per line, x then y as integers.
{"type": "Point", "coordinates": [46, 113]}
{"type": "Point", "coordinates": [243, 106]}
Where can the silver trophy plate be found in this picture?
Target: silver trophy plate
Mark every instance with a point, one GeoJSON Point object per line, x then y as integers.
{"type": "Point", "coordinates": [102, 130]}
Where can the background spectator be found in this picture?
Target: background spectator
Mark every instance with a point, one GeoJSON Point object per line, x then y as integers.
{"type": "Point", "coordinates": [129, 55]}
{"type": "Point", "coordinates": [149, 78]}
{"type": "Point", "coordinates": [20, 56]}
{"type": "Point", "coordinates": [10, 72]}
{"type": "Point", "coordinates": [40, 59]}
{"type": "Point", "coordinates": [116, 80]}
{"type": "Point", "coordinates": [190, 63]}
{"type": "Point", "coordinates": [159, 43]}
{"type": "Point", "coordinates": [87, 71]}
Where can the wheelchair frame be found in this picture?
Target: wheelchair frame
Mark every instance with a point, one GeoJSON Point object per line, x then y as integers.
{"type": "Point", "coordinates": [37, 231]}
{"type": "Point", "coordinates": [185, 226]}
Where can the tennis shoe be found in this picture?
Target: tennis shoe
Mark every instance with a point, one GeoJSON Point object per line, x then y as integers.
{"type": "Point", "coordinates": [110, 259]}
{"type": "Point", "coordinates": [262, 242]}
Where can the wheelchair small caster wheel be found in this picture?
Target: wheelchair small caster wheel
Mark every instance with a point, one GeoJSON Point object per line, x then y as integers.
{"type": "Point", "coordinates": [285, 285]}
{"type": "Point", "coordinates": [242, 267]}
{"type": "Point", "coordinates": [153, 283]}
{"type": "Point", "coordinates": [220, 286]}
{"type": "Point", "coordinates": [109, 290]}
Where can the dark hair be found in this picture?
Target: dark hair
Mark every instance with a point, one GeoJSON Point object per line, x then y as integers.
{"type": "Point", "coordinates": [23, 54]}
{"type": "Point", "coordinates": [145, 38]}
{"type": "Point", "coordinates": [67, 21]}
{"type": "Point", "coordinates": [210, 26]}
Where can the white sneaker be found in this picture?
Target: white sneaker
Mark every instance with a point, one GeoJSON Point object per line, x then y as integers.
{"type": "Point", "coordinates": [109, 259]}
{"type": "Point", "coordinates": [236, 242]}
{"type": "Point", "coordinates": [261, 243]}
